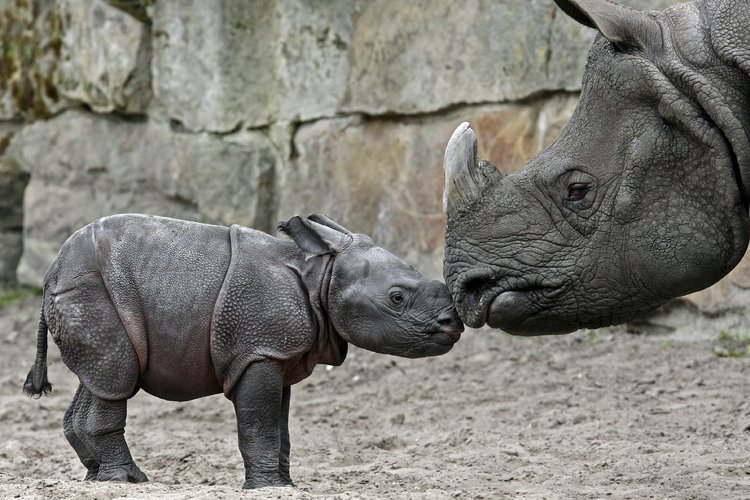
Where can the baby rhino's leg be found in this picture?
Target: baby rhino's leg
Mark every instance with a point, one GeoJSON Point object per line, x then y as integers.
{"type": "Point", "coordinates": [100, 426]}
{"type": "Point", "coordinates": [258, 404]}
{"type": "Point", "coordinates": [284, 436]}
{"type": "Point", "coordinates": [95, 346]}
{"type": "Point", "coordinates": [69, 428]}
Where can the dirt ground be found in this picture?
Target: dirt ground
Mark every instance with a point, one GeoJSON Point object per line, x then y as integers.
{"type": "Point", "coordinates": [604, 414]}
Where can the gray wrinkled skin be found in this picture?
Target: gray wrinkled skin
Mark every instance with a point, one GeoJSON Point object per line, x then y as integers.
{"type": "Point", "coordinates": [641, 199]}
{"type": "Point", "coordinates": [184, 310]}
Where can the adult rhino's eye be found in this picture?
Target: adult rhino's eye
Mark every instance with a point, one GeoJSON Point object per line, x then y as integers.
{"type": "Point", "coordinates": [577, 192]}
{"type": "Point", "coordinates": [397, 298]}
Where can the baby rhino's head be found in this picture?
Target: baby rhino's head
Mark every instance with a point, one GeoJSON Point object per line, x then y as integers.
{"type": "Point", "coordinates": [375, 300]}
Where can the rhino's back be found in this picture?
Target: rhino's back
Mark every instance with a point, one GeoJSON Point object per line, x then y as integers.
{"type": "Point", "coordinates": [164, 276]}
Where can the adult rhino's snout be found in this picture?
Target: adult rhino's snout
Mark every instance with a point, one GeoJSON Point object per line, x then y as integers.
{"type": "Point", "coordinates": [471, 292]}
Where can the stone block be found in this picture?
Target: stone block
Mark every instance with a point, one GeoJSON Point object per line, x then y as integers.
{"type": "Point", "coordinates": [424, 55]}
{"type": "Point", "coordinates": [222, 65]}
{"type": "Point", "coordinates": [214, 62]}
{"type": "Point", "coordinates": [314, 40]}
{"type": "Point", "coordinates": [105, 57]}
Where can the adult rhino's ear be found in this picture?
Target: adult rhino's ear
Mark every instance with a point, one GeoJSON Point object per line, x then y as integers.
{"type": "Point", "coordinates": [327, 221]}
{"type": "Point", "coordinates": [623, 26]}
{"type": "Point", "coordinates": [314, 238]}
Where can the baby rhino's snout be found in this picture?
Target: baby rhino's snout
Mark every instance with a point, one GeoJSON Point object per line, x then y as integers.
{"type": "Point", "coordinates": [449, 323]}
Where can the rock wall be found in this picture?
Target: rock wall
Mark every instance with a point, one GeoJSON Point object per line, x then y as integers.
{"type": "Point", "coordinates": [236, 111]}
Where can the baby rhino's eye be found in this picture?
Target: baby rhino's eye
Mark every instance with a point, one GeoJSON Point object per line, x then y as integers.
{"type": "Point", "coordinates": [397, 298]}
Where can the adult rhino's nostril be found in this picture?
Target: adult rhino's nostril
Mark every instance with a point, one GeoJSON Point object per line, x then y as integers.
{"type": "Point", "coordinates": [468, 292]}
{"type": "Point", "coordinates": [474, 288]}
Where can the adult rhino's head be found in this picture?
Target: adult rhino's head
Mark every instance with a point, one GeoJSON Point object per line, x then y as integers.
{"type": "Point", "coordinates": [374, 299]}
{"type": "Point", "coordinates": [640, 200]}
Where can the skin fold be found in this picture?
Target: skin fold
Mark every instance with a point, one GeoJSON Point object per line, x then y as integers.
{"type": "Point", "coordinates": [643, 197]}
{"type": "Point", "coordinates": [184, 310]}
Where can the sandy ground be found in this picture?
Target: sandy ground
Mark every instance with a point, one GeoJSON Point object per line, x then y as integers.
{"type": "Point", "coordinates": [588, 415]}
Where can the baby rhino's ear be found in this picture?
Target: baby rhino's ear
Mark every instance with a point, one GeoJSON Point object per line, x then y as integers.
{"type": "Point", "coordinates": [327, 221]}
{"type": "Point", "coordinates": [314, 238]}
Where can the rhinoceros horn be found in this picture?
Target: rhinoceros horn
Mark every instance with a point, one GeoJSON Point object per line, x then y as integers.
{"type": "Point", "coordinates": [466, 175]}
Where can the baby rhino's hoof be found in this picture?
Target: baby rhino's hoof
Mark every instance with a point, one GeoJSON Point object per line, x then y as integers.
{"type": "Point", "coordinates": [126, 473]}
{"type": "Point", "coordinates": [263, 481]}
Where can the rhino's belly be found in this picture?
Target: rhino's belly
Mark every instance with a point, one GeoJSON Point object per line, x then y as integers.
{"type": "Point", "coordinates": [179, 367]}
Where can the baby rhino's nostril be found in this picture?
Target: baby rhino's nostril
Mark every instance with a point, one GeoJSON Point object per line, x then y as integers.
{"type": "Point", "coordinates": [445, 319]}
{"type": "Point", "coordinates": [450, 324]}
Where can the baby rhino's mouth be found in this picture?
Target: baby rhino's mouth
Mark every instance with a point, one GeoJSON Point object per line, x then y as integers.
{"type": "Point", "coordinates": [446, 337]}
{"type": "Point", "coordinates": [449, 327]}
{"type": "Point", "coordinates": [443, 337]}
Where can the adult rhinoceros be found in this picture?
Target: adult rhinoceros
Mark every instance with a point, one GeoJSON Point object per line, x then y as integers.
{"type": "Point", "coordinates": [644, 196]}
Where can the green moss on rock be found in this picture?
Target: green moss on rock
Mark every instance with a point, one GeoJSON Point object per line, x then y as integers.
{"type": "Point", "coordinates": [30, 37]}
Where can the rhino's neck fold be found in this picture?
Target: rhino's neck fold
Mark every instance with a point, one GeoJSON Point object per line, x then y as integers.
{"type": "Point", "coordinates": [330, 348]}
{"type": "Point", "coordinates": [721, 93]}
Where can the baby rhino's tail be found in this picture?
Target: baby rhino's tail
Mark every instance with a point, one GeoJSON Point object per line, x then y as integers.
{"type": "Point", "coordinates": [36, 381]}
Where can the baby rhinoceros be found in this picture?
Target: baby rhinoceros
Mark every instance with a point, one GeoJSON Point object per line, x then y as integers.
{"type": "Point", "coordinates": [184, 310]}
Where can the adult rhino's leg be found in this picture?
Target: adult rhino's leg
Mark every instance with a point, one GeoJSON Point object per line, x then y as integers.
{"type": "Point", "coordinates": [75, 440]}
{"type": "Point", "coordinates": [257, 399]}
{"type": "Point", "coordinates": [284, 437]}
{"type": "Point", "coordinates": [100, 423]}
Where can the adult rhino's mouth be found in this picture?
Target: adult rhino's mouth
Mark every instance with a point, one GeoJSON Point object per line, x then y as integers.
{"type": "Point", "coordinates": [512, 310]}
{"type": "Point", "coordinates": [484, 296]}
